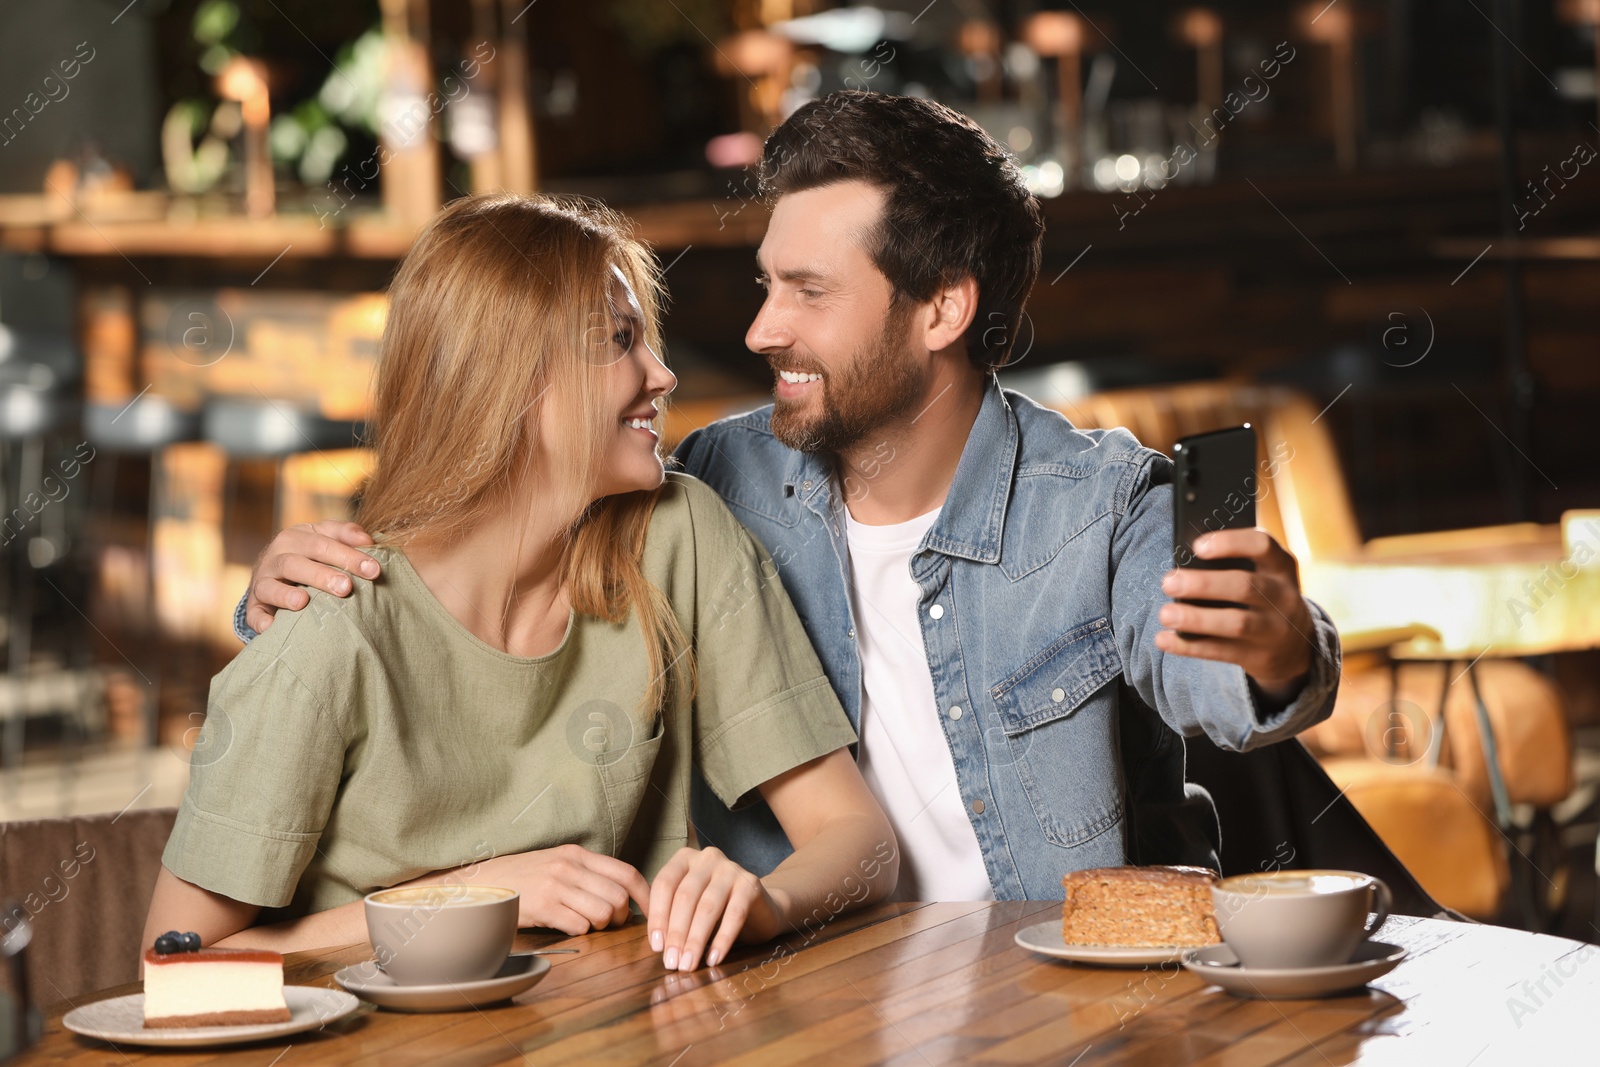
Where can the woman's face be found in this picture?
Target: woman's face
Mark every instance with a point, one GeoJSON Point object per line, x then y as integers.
{"type": "Point", "coordinates": [634, 377]}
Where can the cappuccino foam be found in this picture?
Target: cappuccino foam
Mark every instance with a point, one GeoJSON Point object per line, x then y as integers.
{"type": "Point", "coordinates": [438, 896]}
{"type": "Point", "coordinates": [1294, 883]}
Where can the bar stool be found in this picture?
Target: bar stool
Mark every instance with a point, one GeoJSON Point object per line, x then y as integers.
{"type": "Point", "coordinates": [272, 430]}
{"type": "Point", "coordinates": [32, 406]}
{"type": "Point", "coordinates": [268, 429]}
{"type": "Point", "coordinates": [144, 427]}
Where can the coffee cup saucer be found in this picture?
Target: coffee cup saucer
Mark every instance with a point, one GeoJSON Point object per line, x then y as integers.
{"type": "Point", "coordinates": [521, 971]}
{"type": "Point", "coordinates": [1218, 965]}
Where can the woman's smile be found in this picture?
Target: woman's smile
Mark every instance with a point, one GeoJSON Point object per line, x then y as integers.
{"type": "Point", "coordinates": [643, 423]}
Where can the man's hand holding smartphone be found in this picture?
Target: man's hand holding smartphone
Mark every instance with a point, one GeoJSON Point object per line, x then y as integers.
{"type": "Point", "coordinates": [1269, 633]}
{"type": "Point", "coordinates": [1238, 590]}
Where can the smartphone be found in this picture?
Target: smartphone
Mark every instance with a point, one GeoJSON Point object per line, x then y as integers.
{"type": "Point", "coordinates": [1214, 488]}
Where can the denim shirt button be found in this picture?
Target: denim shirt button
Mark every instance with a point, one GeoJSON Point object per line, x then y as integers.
{"type": "Point", "coordinates": [977, 807]}
{"type": "Point", "coordinates": [852, 631]}
{"type": "Point", "coordinates": [805, 485]}
{"type": "Point", "coordinates": [937, 611]}
{"type": "Point", "coordinates": [1058, 695]}
{"type": "Point", "coordinates": [955, 711]}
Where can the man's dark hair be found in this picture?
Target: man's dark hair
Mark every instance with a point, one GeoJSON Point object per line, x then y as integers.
{"type": "Point", "coordinates": [957, 206]}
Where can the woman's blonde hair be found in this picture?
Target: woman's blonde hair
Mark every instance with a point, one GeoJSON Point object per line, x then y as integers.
{"type": "Point", "coordinates": [501, 299]}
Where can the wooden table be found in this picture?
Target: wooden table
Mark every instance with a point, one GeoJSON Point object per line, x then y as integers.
{"type": "Point", "coordinates": [943, 983]}
{"type": "Point", "coordinates": [1521, 590]}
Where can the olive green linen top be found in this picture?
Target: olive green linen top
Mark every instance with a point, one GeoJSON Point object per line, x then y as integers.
{"type": "Point", "coordinates": [363, 742]}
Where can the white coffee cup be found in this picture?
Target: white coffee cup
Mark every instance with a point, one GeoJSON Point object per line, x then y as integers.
{"type": "Point", "coordinates": [1279, 920]}
{"type": "Point", "coordinates": [432, 935]}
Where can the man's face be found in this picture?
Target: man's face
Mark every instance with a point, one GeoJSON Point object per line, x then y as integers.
{"type": "Point", "coordinates": [842, 356]}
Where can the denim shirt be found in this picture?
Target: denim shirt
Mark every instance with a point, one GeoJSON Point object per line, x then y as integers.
{"type": "Point", "coordinates": [1040, 587]}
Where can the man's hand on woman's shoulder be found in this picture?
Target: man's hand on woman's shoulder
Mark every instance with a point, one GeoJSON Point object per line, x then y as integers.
{"type": "Point", "coordinates": [323, 555]}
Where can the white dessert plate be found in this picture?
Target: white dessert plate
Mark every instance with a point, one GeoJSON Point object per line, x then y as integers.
{"type": "Point", "coordinates": [1218, 965]}
{"type": "Point", "coordinates": [520, 972]}
{"type": "Point", "coordinates": [1046, 938]}
{"type": "Point", "coordinates": [120, 1020]}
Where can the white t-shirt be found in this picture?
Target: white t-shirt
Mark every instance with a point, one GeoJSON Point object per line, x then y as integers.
{"type": "Point", "coordinates": [903, 755]}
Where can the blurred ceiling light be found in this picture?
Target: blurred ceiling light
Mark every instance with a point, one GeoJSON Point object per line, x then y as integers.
{"type": "Point", "coordinates": [1127, 168]}
{"type": "Point", "coordinates": [847, 29]}
{"type": "Point", "coordinates": [979, 41]}
{"type": "Point", "coordinates": [753, 52]}
{"type": "Point", "coordinates": [734, 150]}
{"type": "Point", "coordinates": [1335, 27]}
{"type": "Point", "coordinates": [1326, 24]}
{"type": "Point", "coordinates": [1054, 33]}
{"type": "Point", "coordinates": [245, 80]}
{"type": "Point", "coordinates": [1062, 36]}
{"type": "Point", "coordinates": [764, 61]}
{"type": "Point", "coordinates": [979, 37]}
{"type": "Point", "coordinates": [1020, 138]}
{"type": "Point", "coordinates": [1200, 27]}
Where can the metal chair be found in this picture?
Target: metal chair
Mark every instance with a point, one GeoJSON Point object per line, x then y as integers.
{"type": "Point", "coordinates": [33, 405]}
{"type": "Point", "coordinates": [143, 427]}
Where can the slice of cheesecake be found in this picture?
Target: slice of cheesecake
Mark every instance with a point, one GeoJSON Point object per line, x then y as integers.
{"type": "Point", "coordinates": [213, 987]}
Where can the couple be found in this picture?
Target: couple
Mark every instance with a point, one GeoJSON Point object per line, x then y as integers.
{"type": "Point", "coordinates": [985, 588]}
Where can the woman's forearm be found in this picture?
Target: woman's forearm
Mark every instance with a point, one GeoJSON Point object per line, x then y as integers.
{"type": "Point", "coordinates": [845, 853]}
{"type": "Point", "coordinates": [343, 925]}
{"type": "Point", "coordinates": [852, 860]}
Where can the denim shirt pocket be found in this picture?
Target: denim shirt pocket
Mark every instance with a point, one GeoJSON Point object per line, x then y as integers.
{"type": "Point", "coordinates": [1059, 718]}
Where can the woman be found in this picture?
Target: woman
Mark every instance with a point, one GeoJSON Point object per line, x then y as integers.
{"type": "Point", "coordinates": [561, 634]}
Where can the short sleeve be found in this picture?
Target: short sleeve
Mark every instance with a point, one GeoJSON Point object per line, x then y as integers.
{"type": "Point", "coordinates": [266, 766]}
{"type": "Point", "coordinates": [763, 705]}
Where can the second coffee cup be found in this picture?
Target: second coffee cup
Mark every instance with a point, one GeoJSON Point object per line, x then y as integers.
{"type": "Point", "coordinates": [1279, 920]}
{"type": "Point", "coordinates": [433, 935]}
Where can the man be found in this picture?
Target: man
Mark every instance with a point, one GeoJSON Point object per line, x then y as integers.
{"type": "Point", "coordinates": [987, 587]}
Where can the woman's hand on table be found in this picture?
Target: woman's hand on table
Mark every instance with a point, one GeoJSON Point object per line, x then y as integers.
{"type": "Point", "coordinates": [701, 902]}
{"type": "Point", "coordinates": [569, 888]}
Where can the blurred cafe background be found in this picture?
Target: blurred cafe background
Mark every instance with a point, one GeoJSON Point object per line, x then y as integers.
{"type": "Point", "coordinates": [1369, 227]}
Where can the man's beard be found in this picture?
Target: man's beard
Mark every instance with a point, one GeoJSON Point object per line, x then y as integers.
{"type": "Point", "coordinates": [876, 385]}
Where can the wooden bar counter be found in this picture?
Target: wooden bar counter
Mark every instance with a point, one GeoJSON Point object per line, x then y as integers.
{"type": "Point", "coordinates": [944, 983]}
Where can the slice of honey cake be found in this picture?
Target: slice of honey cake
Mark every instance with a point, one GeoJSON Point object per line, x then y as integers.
{"type": "Point", "coordinates": [1139, 907]}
